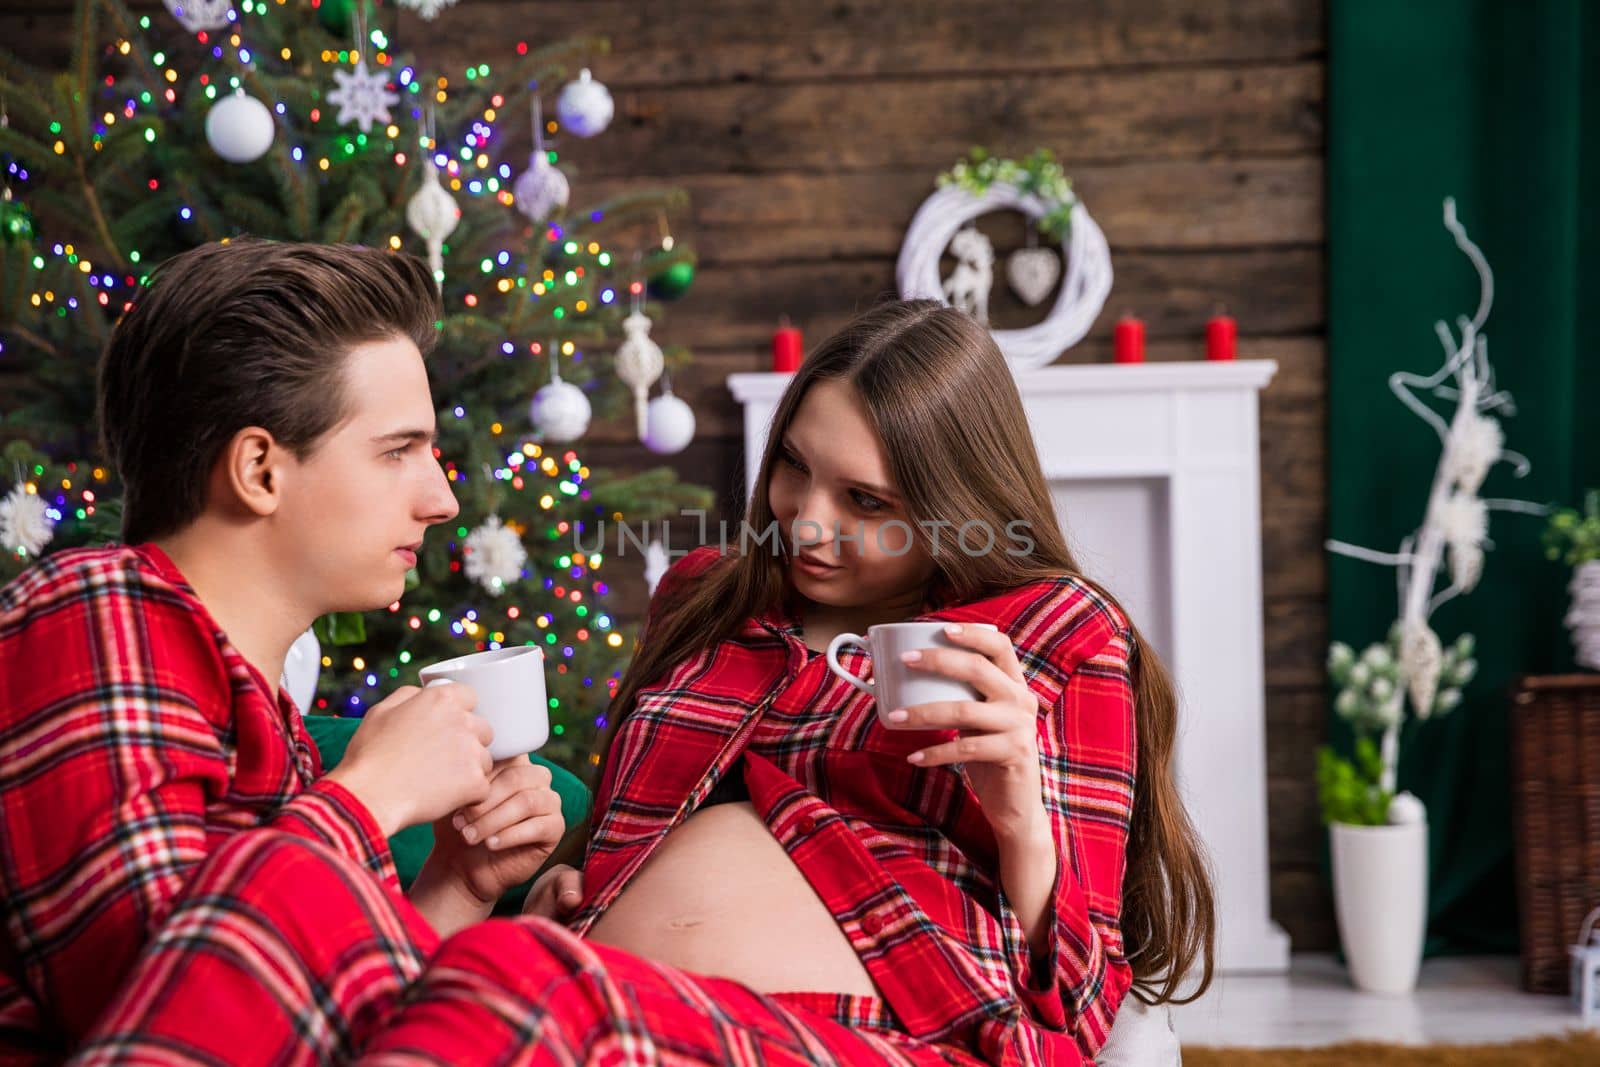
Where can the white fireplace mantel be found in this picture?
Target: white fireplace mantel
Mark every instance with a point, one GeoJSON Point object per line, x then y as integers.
{"type": "Point", "coordinates": [1155, 472]}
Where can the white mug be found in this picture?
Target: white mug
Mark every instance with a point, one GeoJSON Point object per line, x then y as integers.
{"type": "Point", "coordinates": [899, 685]}
{"type": "Point", "coordinates": [511, 697]}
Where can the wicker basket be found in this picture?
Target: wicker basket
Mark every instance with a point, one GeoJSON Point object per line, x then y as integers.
{"type": "Point", "coordinates": [1555, 812]}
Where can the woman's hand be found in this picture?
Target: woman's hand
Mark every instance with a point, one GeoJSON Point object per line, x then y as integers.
{"type": "Point", "coordinates": [556, 895]}
{"type": "Point", "coordinates": [502, 841]}
{"type": "Point", "coordinates": [999, 742]}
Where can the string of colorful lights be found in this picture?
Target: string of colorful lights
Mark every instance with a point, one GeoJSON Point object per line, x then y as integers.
{"type": "Point", "coordinates": [549, 288]}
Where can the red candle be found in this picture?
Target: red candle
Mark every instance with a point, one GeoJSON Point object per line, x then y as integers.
{"type": "Point", "coordinates": [1222, 338]}
{"type": "Point", "coordinates": [1127, 340]}
{"type": "Point", "coordinates": [786, 349]}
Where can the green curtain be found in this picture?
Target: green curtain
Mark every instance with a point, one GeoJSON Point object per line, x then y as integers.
{"type": "Point", "coordinates": [1498, 105]}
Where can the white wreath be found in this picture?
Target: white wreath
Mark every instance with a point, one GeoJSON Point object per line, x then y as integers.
{"type": "Point", "coordinates": [1083, 290]}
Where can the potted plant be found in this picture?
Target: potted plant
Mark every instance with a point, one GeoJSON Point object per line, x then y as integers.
{"type": "Point", "coordinates": [1574, 539]}
{"type": "Point", "coordinates": [1379, 838]}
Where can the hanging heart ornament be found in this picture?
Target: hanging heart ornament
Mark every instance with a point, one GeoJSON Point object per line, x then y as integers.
{"type": "Point", "coordinates": [1032, 274]}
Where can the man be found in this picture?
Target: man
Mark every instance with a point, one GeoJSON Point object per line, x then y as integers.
{"type": "Point", "coordinates": [267, 408]}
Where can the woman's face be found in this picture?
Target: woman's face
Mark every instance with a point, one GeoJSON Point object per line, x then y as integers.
{"type": "Point", "coordinates": [849, 540]}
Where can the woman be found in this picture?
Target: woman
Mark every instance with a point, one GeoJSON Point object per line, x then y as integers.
{"type": "Point", "coordinates": [772, 874]}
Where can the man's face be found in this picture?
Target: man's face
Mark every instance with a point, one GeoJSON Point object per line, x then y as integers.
{"type": "Point", "coordinates": [354, 511]}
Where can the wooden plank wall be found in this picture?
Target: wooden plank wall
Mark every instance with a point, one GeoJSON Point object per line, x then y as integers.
{"type": "Point", "coordinates": [808, 133]}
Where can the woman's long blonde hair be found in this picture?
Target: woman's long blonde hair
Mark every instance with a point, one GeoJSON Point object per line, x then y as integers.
{"type": "Point", "coordinates": [943, 402]}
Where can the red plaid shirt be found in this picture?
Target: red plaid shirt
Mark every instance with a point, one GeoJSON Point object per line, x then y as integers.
{"type": "Point", "coordinates": [902, 856]}
{"type": "Point", "coordinates": [133, 739]}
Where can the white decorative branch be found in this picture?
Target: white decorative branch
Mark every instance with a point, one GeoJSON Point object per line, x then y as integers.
{"type": "Point", "coordinates": [1455, 518]}
{"type": "Point", "coordinates": [1390, 559]}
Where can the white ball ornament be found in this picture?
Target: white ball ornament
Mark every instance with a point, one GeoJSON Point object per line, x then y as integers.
{"type": "Point", "coordinates": [1405, 809]}
{"type": "Point", "coordinates": [670, 425]}
{"type": "Point", "coordinates": [494, 556]}
{"type": "Point", "coordinates": [300, 669]}
{"type": "Point", "coordinates": [560, 411]}
{"type": "Point", "coordinates": [239, 128]}
{"type": "Point", "coordinates": [202, 15]}
{"type": "Point", "coordinates": [585, 106]}
{"type": "Point", "coordinates": [542, 189]}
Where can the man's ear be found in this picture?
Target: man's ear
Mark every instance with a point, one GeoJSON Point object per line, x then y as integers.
{"type": "Point", "coordinates": [252, 470]}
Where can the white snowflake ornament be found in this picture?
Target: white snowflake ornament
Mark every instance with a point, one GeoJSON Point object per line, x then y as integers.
{"type": "Point", "coordinates": [25, 523]}
{"type": "Point", "coordinates": [542, 189]}
{"type": "Point", "coordinates": [494, 556]}
{"type": "Point", "coordinates": [655, 565]}
{"type": "Point", "coordinates": [639, 362]}
{"type": "Point", "coordinates": [428, 9]}
{"type": "Point", "coordinates": [363, 96]}
{"type": "Point", "coordinates": [200, 15]}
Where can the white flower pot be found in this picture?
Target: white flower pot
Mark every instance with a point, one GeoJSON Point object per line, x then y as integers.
{"type": "Point", "coordinates": [1584, 617]}
{"type": "Point", "coordinates": [1380, 895]}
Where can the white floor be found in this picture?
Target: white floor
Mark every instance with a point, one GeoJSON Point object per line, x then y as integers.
{"type": "Point", "coordinates": [1459, 1000]}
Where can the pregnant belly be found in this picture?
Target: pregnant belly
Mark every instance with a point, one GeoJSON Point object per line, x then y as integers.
{"type": "Point", "coordinates": [721, 897]}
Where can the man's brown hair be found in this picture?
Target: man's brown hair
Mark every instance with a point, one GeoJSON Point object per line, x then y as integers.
{"type": "Point", "coordinates": [247, 333]}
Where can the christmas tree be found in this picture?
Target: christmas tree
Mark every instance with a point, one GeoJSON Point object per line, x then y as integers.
{"type": "Point", "coordinates": [303, 120]}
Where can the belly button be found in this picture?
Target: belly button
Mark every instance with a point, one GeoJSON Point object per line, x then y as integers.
{"type": "Point", "coordinates": [683, 923]}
